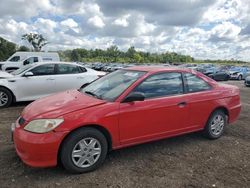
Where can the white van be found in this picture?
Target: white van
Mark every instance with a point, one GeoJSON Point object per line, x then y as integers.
{"type": "Point", "coordinates": [19, 59]}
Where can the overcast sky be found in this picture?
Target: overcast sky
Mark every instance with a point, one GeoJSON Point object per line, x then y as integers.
{"type": "Point", "coordinates": [205, 29]}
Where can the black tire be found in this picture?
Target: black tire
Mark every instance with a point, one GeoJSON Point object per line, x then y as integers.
{"type": "Point", "coordinates": [240, 77]}
{"type": "Point", "coordinates": [5, 92]}
{"type": "Point", "coordinates": [226, 78]}
{"type": "Point", "coordinates": [71, 141]}
{"type": "Point", "coordinates": [209, 130]}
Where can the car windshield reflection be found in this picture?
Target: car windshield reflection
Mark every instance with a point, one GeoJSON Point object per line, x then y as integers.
{"type": "Point", "coordinates": [113, 85]}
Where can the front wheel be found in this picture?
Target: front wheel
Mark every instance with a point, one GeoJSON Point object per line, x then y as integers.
{"type": "Point", "coordinates": [227, 78]}
{"type": "Point", "coordinates": [5, 98]}
{"type": "Point", "coordinates": [215, 125]}
{"type": "Point", "coordinates": [84, 150]}
{"type": "Point", "coordinates": [240, 77]}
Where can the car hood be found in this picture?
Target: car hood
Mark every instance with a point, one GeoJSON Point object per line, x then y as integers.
{"type": "Point", "coordinates": [59, 104]}
{"type": "Point", "coordinates": [233, 71]}
{"type": "Point", "coordinates": [5, 75]}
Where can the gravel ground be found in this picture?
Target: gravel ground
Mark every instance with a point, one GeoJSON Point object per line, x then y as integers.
{"type": "Point", "coordinates": [184, 161]}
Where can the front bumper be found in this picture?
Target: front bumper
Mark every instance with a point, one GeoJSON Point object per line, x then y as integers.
{"type": "Point", "coordinates": [247, 82]}
{"type": "Point", "coordinates": [37, 150]}
{"type": "Point", "coordinates": [234, 76]}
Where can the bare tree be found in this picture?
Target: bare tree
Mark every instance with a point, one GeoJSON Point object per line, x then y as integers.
{"type": "Point", "coordinates": [36, 40]}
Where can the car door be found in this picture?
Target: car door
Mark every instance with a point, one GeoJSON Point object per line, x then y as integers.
{"type": "Point", "coordinates": [200, 99]}
{"type": "Point", "coordinates": [219, 75]}
{"type": "Point", "coordinates": [39, 85]}
{"type": "Point", "coordinates": [163, 112]}
{"type": "Point", "coordinates": [71, 77]}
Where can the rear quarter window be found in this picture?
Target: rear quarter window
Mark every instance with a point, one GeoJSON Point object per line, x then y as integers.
{"type": "Point", "coordinates": [195, 84]}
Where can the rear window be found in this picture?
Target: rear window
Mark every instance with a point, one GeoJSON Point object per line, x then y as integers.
{"type": "Point", "coordinates": [15, 58]}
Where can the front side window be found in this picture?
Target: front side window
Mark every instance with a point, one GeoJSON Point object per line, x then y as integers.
{"type": "Point", "coordinates": [67, 69]}
{"type": "Point", "coordinates": [30, 60]}
{"type": "Point", "coordinates": [195, 84]}
{"type": "Point", "coordinates": [15, 59]}
{"type": "Point", "coordinates": [43, 70]}
{"type": "Point", "coordinates": [112, 85]}
{"type": "Point", "coordinates": [21, 70]}
{"type": "Point", "coordinates": [160, 85]}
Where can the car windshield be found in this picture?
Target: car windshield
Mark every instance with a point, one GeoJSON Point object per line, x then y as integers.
{"type": "Point", "coordinates": [21, 70]}
{"type": "Point", "coordinates": [112, 85]}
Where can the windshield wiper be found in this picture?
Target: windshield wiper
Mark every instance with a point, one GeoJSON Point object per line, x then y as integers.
{"type": "Point", "coordinates": [93, 94]}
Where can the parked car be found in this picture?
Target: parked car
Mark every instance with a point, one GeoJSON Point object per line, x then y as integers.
{"type": "Point", "coordinates": [210, 70]}
{"type": "Point", "coordinates": [127, 107]}
{"type": "Point", "coordinates": [247, 81]}
{"type": "Point", "coordinates": [190, 66]}
{"type": "Point", "coordinates": [219, 74]}
{"type": "Point", "coordinates": [41, 79]}
{"type": "Point", "coordinates": [206, 68]}
{"type": "Point", "coordinates": [98, 66]}
{"type": "Point", "coordinates": [20, 59]}
{"type": "Point", "coordinates": [239, 73]}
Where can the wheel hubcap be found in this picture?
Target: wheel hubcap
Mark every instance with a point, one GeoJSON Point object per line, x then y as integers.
{"type": "Point", "coordinates": [86, 152]}
{"type": "Point", "coordinates": [217, 125]}
{"type": "Point", "coordinates": [3, 98]}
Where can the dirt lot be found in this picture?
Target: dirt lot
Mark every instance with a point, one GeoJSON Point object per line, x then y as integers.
{"type": "Point", "coordinates": [184, 161]}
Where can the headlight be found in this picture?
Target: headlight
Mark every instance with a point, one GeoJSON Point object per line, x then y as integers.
{"type": "Point", "coordinates": [42, 125]}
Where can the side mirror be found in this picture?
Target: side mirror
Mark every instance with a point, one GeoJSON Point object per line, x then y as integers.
{"type": "Point", "coordinates": [28, 74]}
{"type": "Point", "coordinates": [135, 96]}
{"type": "Point", "coordinates": [25, 62]}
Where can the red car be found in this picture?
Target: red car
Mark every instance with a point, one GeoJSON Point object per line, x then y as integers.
{"type": "Point", "coordinates": [127, 107]}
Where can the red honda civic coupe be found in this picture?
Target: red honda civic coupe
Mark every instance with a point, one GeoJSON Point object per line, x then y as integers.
{"type": "Point", "coordinates": [127, 107]}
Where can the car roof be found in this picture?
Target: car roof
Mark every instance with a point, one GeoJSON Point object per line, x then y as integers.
{"type": "Point", "coordinates": [154, 69]}
{"type": "Point", "coordinates": [56, 62]}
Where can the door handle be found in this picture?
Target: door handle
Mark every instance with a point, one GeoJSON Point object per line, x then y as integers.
{"type": "Point", "coordinates": [50, 79]}
{"type": "Point", "coordinates": [182, 104]}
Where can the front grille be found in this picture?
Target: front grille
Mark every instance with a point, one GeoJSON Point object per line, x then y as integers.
{"type": "Point", "coordinates": [21, 121]}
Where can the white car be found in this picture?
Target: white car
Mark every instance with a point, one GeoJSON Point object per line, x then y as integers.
{"type": "Point", "coordinates": [41, 79]}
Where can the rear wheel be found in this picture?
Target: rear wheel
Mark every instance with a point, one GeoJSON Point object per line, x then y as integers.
{"type": "Point", "coordinates": [5, 98]}
{"type": "Point", "coordinates": [215, 125]}
{"type": "Point", "coordinates": [84, 150]}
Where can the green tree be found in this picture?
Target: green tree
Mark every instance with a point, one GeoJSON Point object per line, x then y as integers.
{"type": "Point", "coordinates": [23, 49]}
{"type": "Point", "coordinates": [137, 58]}
{"type": "Point", "coordinates": [113, 53]}
{"type": "Point", "coordinates": [130, 54]}
{"type": "Point", "coordinates": [36, 40]}
{"type": "Point", "coordinates": [75, 56]}
{"type": "Point", "coordinates": [6, 49]}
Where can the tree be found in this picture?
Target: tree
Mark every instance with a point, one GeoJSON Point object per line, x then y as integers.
{"type": "Point", "coordinates": [23, 49]}
{"type": "Point", "coordinates": [130, 53]}
{"type": "Point", "coordinates": [137, 58]}
{"type": "Point", "coordinates": [36, 40]}
{"type": "Point", "coordinates": [113, 53]}
{"type": "Point", "coordinates": [6, 49]}
{"type": "Point", "coordinates": [75, 56]}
